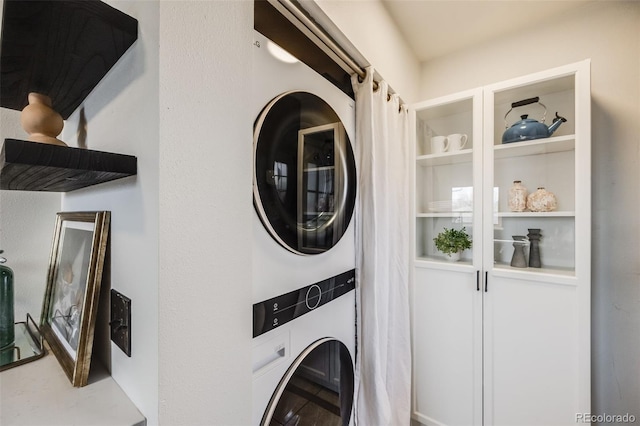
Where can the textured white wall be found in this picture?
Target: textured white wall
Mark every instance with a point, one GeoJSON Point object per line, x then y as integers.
{"type": "Point", "coordinates": [205, 212]}
{"type": "Point", "coordinates": [609, 34]}
{"type": "Point", "coordinates": [371, 30]}
{"type": "Point", "coordinates": [26, 229]}
{"type": "Point", "coordinates": [122, 116]}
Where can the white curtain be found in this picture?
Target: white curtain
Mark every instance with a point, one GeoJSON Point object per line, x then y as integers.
{"type": "Point", "coordinates": [383, 362]}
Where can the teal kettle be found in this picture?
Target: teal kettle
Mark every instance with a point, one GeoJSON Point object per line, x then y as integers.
{"type": "Point", "coordinates": [527, 128]}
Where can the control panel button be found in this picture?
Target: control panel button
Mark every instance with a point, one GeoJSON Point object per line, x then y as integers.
{"type": "Point", "coordinates": [312, 299]}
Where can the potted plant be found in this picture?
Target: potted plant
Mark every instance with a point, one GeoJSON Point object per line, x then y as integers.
{"type": "Point", "coordinates": [452, 242]}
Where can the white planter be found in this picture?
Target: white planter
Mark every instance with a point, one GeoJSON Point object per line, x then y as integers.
{"type": "Point", "coordinates": [454, 257]}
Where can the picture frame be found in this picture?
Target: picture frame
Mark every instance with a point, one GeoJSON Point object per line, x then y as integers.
{"type": "Point", "coordinates": [73, 287]}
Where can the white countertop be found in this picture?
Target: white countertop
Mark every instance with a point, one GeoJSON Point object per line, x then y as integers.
{"type": "Point", "coordinates": [39, 393]}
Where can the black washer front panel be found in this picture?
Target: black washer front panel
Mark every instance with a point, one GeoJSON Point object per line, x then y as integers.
{"type": "Point", "coordinates": [272, 313]}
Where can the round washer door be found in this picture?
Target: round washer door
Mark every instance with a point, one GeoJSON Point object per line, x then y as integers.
{"type": "Point", "coordinates": [317, 388]}
{"type": "Point", "coordinates": [304, 174]}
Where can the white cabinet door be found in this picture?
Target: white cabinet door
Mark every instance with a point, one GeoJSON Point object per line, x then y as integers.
{"type": "Point", "coordinates": [447, 340]}
{"type": "Point", "coordinates": [531, 352]}
{"type": "Point", "coordinates": [536, 320]}
{"type": "Point", "coordinates": [447, 316]}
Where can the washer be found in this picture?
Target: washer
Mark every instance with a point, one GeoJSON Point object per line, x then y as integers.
{"type": "Point", "coordinates": [303, 243]}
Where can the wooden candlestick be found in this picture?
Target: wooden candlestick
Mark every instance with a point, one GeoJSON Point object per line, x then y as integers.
{"type": "Point", "coordinates": [40, 120]}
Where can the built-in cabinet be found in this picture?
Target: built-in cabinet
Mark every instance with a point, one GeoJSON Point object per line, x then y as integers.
{"type": "Point", "coordinates": [496, 344]}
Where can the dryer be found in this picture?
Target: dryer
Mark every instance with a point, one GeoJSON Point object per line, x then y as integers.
{"type": "Point", "coordinates": [303, 243]}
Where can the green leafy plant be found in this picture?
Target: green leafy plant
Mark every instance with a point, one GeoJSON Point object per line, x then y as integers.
{"type": "Point", "coordinates": [452, 240]}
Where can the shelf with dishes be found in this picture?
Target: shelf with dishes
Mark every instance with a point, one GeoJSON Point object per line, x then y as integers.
{"type": "Point", "coordinates": [445, 158]}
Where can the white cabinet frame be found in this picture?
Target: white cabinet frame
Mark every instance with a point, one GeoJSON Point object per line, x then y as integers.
{"type": "Point", "coordinates": [530, 331]}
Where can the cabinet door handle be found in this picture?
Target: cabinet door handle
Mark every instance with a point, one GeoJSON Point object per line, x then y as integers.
{"type": "Point", "coordinates": [478, 280]}
{"type": "Point", "coordinates": [486, 280]}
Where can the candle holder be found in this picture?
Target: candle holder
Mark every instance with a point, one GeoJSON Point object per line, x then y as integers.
{"type": "Point", "coordinates": [40, 121]}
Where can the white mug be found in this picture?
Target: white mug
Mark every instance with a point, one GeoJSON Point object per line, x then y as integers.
{"type": "Point", "coordinates": [457, 141]}
{"type": "Point", "coordinates": [439, 144]}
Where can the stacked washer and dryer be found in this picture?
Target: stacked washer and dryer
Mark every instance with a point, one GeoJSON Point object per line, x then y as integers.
{"type": "Point", "coordinates": [303, 244]}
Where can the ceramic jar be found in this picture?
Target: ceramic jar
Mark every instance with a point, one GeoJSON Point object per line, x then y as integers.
{"type": "Point", "coordinates": [517, 197]}
{"type": "Point", "coordinates": [542, 201]}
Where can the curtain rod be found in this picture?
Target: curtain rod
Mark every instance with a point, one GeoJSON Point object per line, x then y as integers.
{"type": "Point", "coordinates": [326, 40]}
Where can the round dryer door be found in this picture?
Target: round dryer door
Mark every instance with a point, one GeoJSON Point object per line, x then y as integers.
{"type": "Point", "coordinates": [317, 389]}
{"type": "Point", "coordinates": [304, 174]}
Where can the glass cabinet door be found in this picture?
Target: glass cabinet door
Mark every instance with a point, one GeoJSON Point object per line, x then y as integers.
{"type": "Point", "coordinates": [534, 177]}
{"type": "Point", "coordinates": [448, 152]}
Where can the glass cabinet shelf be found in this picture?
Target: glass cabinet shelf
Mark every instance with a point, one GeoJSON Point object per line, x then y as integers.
{"type": "Point", "coordinates": [535, 147]}
{"type": "Point", "coordinates": [447, 214]}
{"type": "Point", "coordinates": [536, 214]}
{"type": "Point", "coordinates": [440, 262]}
{"type": "Point", "coordinates": [564, 276]}
{"type": "Point", "coordinates": [445, 158]}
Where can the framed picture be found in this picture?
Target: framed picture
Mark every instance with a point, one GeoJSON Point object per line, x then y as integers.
{"type": "Point", "coordinates": [73, 287]}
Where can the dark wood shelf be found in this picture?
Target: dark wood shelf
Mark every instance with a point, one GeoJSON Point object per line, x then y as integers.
{"type": "Point", "coordinates": [60, 48]}
{"type": "Point", "coordinates": [33, 166]}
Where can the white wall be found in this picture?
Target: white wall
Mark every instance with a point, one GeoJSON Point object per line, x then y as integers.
{"type": "Point", "coordinates": [205, 212]}
{"type": "Point", "coordinates": [371, 30]}
{"type": "Point", "coordinates": [26, 230]}
{"type": "Point", "coordinates": [189, 205]}
{"type": "Point", "coordinates": [609, 34]}
{"type": "Point", "coordinates": [122, 117]}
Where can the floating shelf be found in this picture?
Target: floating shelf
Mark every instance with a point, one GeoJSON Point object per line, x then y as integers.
{"type": "Point", "coordinates": [60, 48]}
{"type": "Point", "coordinates": [33, 166]}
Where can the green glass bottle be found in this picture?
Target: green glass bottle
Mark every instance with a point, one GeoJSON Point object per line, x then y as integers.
{"type": "Point", "coordinates": [7, 330]}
